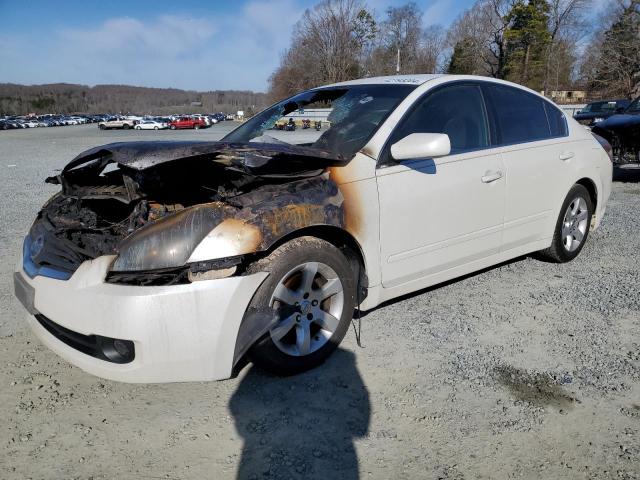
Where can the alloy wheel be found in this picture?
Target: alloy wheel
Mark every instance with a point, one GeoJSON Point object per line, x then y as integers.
{"type": "Point", "coordinates": [308, 302]}
{"type": "Point", "coordinates": [575, 224]}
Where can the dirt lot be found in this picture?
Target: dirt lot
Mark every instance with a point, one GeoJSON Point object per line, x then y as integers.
{"type": "Point", "coordinates": [527, 370]}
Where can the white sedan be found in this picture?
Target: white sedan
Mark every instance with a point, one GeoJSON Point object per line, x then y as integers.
{"type": "Point", "coordinates": [259, 247]}
{"type": "Point", "coordinates": [151, 125]}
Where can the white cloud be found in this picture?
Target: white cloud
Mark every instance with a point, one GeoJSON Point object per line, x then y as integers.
{"type": "Point", "coordinates": [225, 52]}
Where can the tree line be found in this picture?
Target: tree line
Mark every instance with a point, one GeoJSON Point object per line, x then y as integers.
{"type": "Point", "coordinates": [543, 44]}
{"type": "Point", "coordinates": [81, 99]}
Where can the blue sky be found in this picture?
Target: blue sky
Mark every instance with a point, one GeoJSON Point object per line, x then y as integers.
{"type": "Point", "coordinates": [185, 44]}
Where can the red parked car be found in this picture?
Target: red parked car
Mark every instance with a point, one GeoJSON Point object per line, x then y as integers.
{"type": "Point", "coordinates": [187, 122]}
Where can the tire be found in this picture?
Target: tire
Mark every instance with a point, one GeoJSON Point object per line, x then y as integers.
{"type": "Point", "coordinates": [305, 334]}
{"type": "Point", "coordinates": [172, 127]}
{"type": "Point", "coordinates": [137, 128]}
{"type": "Point", "coordinates": [196, 127]}
{"type": "Point", "coordinates": [125, 126]}
{"type": "Point", "coordinates": [572, 228]}
{"type": "Point", "coordinates": [101, 127]}
{"type": "Point", "coordinates": [155, 128]}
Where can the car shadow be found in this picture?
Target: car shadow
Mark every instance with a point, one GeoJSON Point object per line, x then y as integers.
{"type": "Point", "coordinates": [628, 173]}
{"type": "Point", "coordinates": [302, 427]}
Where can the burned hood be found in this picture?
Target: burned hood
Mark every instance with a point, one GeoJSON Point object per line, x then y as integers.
{"type": "Point", "coordinates": [252, 158]}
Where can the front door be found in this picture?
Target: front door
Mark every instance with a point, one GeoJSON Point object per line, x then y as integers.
{"type": "Point", "coordinates": [436, 214]}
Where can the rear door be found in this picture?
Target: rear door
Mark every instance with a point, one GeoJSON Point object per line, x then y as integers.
{"type": "Point", "coordinates": [530, 134]}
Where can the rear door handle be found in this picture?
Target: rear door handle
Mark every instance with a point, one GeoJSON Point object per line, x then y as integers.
{"type": "Point", "coordinates": [491, 177]}
{"type": "Point", "coordinates": [564, 156]}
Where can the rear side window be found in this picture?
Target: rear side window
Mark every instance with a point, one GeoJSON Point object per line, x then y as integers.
{"type": "Point", "coordinates": [557, 122]}
{"type": "Point", "coordinates": [518, 116]}
{"type": "Point", "coordinates": [457, 110]}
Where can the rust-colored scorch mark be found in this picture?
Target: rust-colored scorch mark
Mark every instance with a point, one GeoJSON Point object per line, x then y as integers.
{"type": "Point", "coordinates": [293, 216]}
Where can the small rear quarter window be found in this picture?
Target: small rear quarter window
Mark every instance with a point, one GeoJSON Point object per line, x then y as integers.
{"type": "Point", "coordinates": [557, 122]}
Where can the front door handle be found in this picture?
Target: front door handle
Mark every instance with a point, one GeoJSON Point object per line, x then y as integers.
{"type": "Point", "coordinates": [564, 156]}
{"type": "Point", "coordinates": [491, 177]}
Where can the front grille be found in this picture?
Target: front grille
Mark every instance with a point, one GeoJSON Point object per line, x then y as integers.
{"type": "Point", "coordinates": [46, 254]}
{"type": "Point", "coordinates": [93, 345]}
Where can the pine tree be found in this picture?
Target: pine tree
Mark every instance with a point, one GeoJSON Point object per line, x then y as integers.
{"type": "Point", "coordinates": [527, 38]}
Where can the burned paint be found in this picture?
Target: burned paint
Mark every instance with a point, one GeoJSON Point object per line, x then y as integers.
{"type": "Point", "coordinates": [293, 217]}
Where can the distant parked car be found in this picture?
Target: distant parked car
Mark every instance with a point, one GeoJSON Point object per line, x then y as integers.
{"type": "Point", "coordinates": [622, 131]}
{"type": "Point", "coordinates": [151, 125]}
{"type": "Point", "coordinates": [595, 112]}
{"type": "Point", "coordinates": [31, 123]}
{"type": "Point", "coordinates": [187, 122]}
{"type": "Point", "coordinates": [115, 122]}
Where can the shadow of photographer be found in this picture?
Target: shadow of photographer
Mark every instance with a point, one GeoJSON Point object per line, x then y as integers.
{"type": "Point", "coordinates": [302, 426]}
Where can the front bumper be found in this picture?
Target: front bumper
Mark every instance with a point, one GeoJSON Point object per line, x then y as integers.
{"type": "Point", "coordinates": [180, 332]}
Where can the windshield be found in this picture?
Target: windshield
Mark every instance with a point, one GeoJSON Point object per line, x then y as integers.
{"type": "Point", "coordinates": [635, 106]}
{"type": "Point", "coordinates": [600, 107]}
{"type": "Point", "coordinates": [339, 120]}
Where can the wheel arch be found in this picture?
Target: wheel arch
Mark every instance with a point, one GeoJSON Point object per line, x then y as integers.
{"type": "Point", "coordinates": [336, 236]}
{"type": "Point", "coordinates": [591, 187]}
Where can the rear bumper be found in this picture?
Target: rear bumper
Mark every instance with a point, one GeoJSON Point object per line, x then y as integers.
{"type": "Point", "coordinates": [180, 332]}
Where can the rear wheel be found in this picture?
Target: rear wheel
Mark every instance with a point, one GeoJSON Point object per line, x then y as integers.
{"type": "Point", "coordinates": [172, 127]}
{"type": "Point", "coordinates": [138, 127]}
{"type": "Point", "coordinates": [310, 291]}
{"type": "Point", "coordinates": [196, 127]}
{"type": "Point", "coordinates": [572, 227]}
{"type": "Point", "coordinates": [125, 126]}
{"type": "Point", "coordinates": [155, 128]}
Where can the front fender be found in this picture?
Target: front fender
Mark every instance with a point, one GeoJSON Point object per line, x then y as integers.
{"type": "Point", "coordinates": [267, 214]}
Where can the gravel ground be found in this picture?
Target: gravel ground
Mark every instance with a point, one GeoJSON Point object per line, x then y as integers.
{"type": "Point", "coordinates": [526, 370]}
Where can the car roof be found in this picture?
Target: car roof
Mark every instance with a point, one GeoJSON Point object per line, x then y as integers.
{"type": "Point", "coordinates": [421, 79]}
{"type": "Point", "coordinates": [417, 79]}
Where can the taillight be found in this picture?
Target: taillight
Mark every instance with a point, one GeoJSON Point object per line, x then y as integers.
{"type": "Point", "coordinates": [605, 145]}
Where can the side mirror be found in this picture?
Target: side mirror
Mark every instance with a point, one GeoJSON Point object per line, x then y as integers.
{"type": "Point", "coordinates": [421, 145]}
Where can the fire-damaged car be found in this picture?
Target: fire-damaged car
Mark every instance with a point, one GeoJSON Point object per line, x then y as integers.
{"type": "Point", "coordinates": [178, 261]}
{"type": "Point", "coordinates": [622, 131]}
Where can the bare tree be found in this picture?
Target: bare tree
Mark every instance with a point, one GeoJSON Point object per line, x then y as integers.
{"type": "Point", "coordinates": [431, 49]}
{"type": "Point", "coordinates": [567, 25]}
{"type": "Point", "coordinates": [612, 63]}
{"type": "Point", "coordinates": [325, 47]}
{"type": "Point", "coordinates": [481, 30]}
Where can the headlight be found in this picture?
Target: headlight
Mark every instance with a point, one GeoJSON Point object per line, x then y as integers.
{"type": "Point", "coordinates": [168, 242]}
{"type": "Point", "coordinates": [596, 120]}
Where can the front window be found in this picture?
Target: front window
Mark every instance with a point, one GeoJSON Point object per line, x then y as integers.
{"type": "Point", "coordinates": [600, 107]}
{"type": "Point", "coordinates": [338, 119]}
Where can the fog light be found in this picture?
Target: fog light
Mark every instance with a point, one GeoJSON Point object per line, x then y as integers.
{"type": "Point", "coordinates": [122, 348]}
{"type": "Point", "coordinates": [117, 351]}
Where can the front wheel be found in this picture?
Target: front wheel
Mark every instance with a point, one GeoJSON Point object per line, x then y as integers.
{"type": "Point", "coordinates": [125, 126]}
{"type": "Point", "coordinates": [572, 227]}
{"type": "Point", "coordinates": [196, 127]}
{"type": "Point", "coordinates": [155, 128]}
{"type": "Point", "coordinates": [137, 128]}
{"type": "Point", "coordinates": [172, 127]}
{"type": "Point", "coordinates": [310, 292]}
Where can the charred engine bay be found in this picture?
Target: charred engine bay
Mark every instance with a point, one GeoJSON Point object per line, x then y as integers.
{"type": "Point", "coordinates": [104, 198]}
